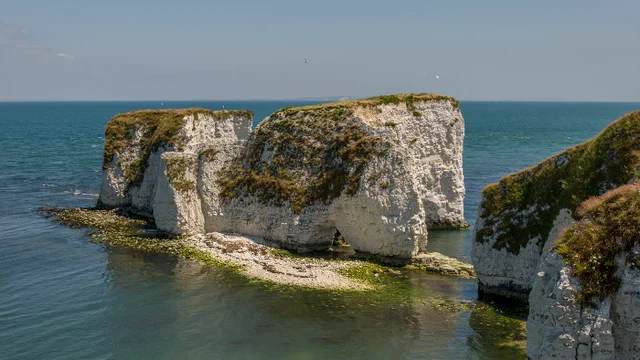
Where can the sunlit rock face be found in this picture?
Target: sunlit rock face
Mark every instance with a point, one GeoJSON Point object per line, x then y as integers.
{"type": "Point", "coordinates": [517, 214]}
{"type": "Point", "coordinates": [379, 171]}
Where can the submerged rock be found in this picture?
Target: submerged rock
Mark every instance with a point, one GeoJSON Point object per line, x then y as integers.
{"type": "Point", "coordinates": [441, 264]}
{"type": "Point", "coordinates": [379, 171]}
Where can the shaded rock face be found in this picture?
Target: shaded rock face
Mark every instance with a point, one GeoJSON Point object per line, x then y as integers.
{"type": "Point", "coordinates": [517, 214]}
{"type": "Point", "coordinates": [559, 327]}
{"type": "Point", "coordinates": [380, 171]}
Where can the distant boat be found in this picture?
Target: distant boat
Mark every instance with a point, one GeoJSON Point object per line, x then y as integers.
{"type": "Point", "coordinates": [161, 104]}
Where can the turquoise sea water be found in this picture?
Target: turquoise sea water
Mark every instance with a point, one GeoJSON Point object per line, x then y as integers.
{"type": "Point", "coordinates": [62, 297]}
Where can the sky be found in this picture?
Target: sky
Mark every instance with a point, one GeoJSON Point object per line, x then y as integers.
{"type": "Point", "coordinates": [570, 50]}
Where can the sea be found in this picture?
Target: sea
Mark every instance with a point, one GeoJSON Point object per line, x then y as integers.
{"type": "Point", "coordinates": [64, 297]}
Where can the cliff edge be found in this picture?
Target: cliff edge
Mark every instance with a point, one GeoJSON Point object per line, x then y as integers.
{"type": "Point", "coordinates": [564, 235]}
{"type": "Point", "coordinates": [379, 172]}
{"type": "Point", "coordinates": [517, 214]}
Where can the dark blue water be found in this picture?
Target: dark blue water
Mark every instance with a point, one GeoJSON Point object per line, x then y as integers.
{"type": "Point", "coordinates": [62, 297]}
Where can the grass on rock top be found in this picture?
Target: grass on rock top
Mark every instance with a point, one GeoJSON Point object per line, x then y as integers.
{"type": "Point", "coordinates": [159, 126]}
{"type": "Point", "coordinates": [408, 99]}
{"type": "Point", "coordinates": [317, 152]}
{"type": "Point", "coordinates": [316, 155]}
{"type": "Point", "coordinates": [608, 226]}
{"type": "Point", "coordinates": [523, 206]}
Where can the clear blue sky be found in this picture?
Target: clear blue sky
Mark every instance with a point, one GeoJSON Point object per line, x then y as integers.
{"type": "Point", "coordinates": [254, 49]}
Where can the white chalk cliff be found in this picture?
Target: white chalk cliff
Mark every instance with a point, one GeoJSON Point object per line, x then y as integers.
{"type": "Point", "coordinates": [564, 236]}
{"type": "Point", "coordinates": [380, 171]}
{"type": "Point", "coordinates": [516, 214]}
{"type": "Point", "coordinates": [559, 327]}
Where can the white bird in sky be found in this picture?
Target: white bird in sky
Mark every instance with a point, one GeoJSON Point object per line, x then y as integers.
{"type": "Point", "coordinates": [437, 77]}
{"type": "Point", "coordinates": [305, 61]}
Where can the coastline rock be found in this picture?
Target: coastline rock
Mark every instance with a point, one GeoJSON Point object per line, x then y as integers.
{"type": "Point", "coordinates": [441, 264]}
{"type": "Point", "coordinates": [586, 297]}
{"type": "Point", "coordinates": [152, 159]}
{"type": "Point", "coordinates": [517, 214]}
{"type": "Point", "coordinates": [561, 327]}
{"type": "Point", "coordinates": [379, 171]}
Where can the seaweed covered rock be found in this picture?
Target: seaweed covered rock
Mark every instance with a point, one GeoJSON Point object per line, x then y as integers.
{"type": "Point", "coordinates": [378, 171]}
{"type": "Point", "coordinates": [517, 214]}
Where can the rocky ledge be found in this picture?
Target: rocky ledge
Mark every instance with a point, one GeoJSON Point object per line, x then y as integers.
{"type": "Point", "coordinates": [250, 256]}
{"type": "Point", "coordinates": [377, 172]}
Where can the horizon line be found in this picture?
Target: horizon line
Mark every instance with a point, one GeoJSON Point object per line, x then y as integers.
{"type": "Point", "coordinates": [319, 99]}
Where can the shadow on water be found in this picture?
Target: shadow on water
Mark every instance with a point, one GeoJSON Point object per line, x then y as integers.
{"type": "Point", "coordinates": [187, 310]}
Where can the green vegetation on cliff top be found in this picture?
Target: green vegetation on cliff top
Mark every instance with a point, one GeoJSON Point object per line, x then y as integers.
{"type": "Point", "coordinates": [159, 126]}
{"type": "Point", "coordinates": [408, 99]}
{"type": "Point", "coordinates": [608, 225]}
{"type": "Point", "coordinates": [523, 206]}
{"type": "Point", "coordinates": [316, 154]}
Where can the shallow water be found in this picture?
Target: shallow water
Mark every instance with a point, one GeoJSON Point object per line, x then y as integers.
{"type": "Point", "coordinates": [62, 297]}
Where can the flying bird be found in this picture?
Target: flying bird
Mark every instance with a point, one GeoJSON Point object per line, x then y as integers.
{"type": "Point", "coordinates": [437, 77]}
{"type": "Point", "coordinates": [305, 61]}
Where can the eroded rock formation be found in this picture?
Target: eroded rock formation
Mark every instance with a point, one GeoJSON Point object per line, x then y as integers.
{"type": "Point", "coordinates": [380, 171]}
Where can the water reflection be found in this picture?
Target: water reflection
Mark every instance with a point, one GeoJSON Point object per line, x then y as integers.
{"type": "Point", "coordinates": [454, 243]}
{"type": "Point", "coordinates": [162, 307]}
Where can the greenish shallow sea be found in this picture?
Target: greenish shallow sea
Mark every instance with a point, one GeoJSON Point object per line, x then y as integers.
{"type": "Point", "coordinates": [63, 297]}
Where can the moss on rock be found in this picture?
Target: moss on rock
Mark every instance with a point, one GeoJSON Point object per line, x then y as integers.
{"type": "Point", "coordinates": [177, 169]}
{"type": "Point", "coordinates": [159, 127]}
{"type": "Point", "coordinates": [608, 225]}
{"type": "Point", "coordinates": [112, 228]}
{"type": "Point", "coordinates": [523, 206]}
{"type": "Point", "coordinates": [316, 154]}
{"type": "Point", "coordinates": [209, 154]}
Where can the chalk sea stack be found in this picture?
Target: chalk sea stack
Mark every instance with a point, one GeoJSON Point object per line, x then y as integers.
{"type": "Point", "coordinates": [379, 171]}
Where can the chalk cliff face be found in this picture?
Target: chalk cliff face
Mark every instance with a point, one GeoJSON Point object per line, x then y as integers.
{"type": "Point", "coordinates": [379, 171]}
{"type": "Point", "coordinates": [559, 327]}
{"type": "Point", "coordinates": [585, 302]}
{"type": "Point", "coordinates": [153, 157]}
{"type": "Point", "coordinates": [564, 235]}
{"type": "Point", "coordinates": [517, 214]}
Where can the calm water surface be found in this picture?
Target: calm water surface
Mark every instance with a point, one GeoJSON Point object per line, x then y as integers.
{"type": "Point", "coordinates": [62, 297]}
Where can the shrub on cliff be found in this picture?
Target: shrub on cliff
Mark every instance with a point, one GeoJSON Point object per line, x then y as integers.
{"type": "Point", "coordinates": [523, 206]}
